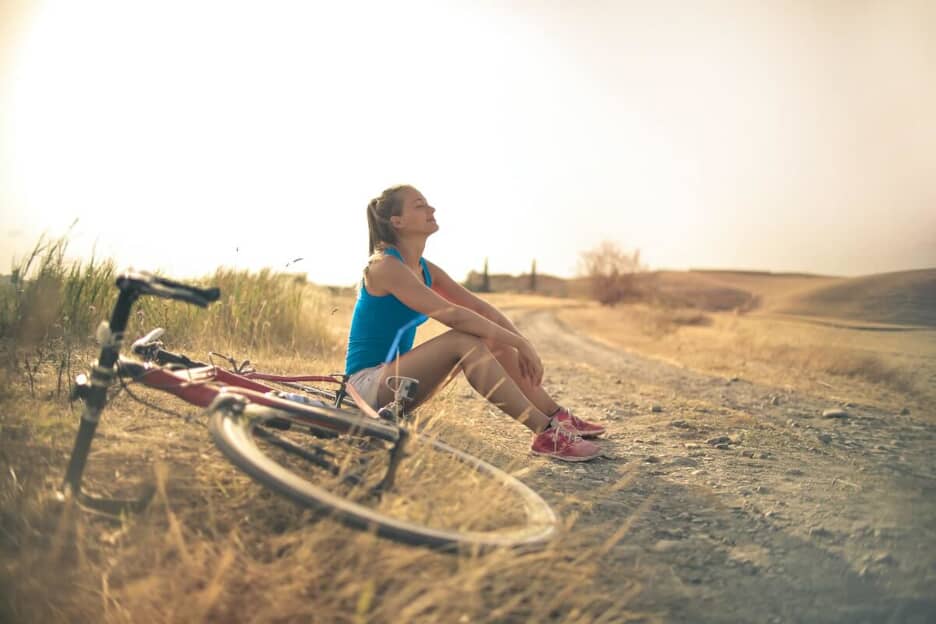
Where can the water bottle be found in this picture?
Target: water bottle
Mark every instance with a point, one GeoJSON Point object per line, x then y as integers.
{"type": "Point", "coordinates": [299, 398]}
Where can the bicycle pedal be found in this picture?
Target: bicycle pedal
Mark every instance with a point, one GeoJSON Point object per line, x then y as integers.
{"type": "Point", "coordinates": [389, 414]}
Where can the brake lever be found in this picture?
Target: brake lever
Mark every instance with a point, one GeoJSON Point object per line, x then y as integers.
{"type": "Point", "coordinates": [149, 345]}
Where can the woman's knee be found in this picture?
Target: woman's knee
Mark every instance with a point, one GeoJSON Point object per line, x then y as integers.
{"type": "Point", "coordinates": [498, 349]}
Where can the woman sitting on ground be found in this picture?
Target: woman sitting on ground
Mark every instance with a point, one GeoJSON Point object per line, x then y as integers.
{"type": "Point", "coordinates": [402, 288]}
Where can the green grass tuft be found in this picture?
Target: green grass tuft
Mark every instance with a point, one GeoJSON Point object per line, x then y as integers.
{"type": "Point", "coordinates": [55, 304]}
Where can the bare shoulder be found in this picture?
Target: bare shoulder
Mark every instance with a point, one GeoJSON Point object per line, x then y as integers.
{"type": "Point", "coordinates": [383, 264]}
{"type": "Point", "coordinates": [381, 271]}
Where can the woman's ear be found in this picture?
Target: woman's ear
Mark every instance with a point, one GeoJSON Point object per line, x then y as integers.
{"type": "Point", "coordinates": [396, 221]}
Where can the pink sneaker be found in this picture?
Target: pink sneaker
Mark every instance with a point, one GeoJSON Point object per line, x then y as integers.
{"type": "Point", "coordinates": [564, 444]}
{"type": "Point", "coordinates": [584, 428]}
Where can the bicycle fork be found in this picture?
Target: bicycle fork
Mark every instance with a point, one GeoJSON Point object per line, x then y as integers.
{"type": "Point", "coordinates": [405, 391]}
{"type": "Point", "coordinates": [397, 453]}
{"type": "Point", "coordinates": [94, 395]}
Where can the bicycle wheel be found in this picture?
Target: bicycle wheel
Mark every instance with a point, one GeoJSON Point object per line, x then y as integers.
{"type": "Point", "coordinates": [440, 496]}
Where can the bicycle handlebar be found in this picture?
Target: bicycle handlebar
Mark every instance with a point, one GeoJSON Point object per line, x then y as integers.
{"type": "Point", "coordinates": [131, 285]}
{"type": "Point", "coordinates": [149, 284]}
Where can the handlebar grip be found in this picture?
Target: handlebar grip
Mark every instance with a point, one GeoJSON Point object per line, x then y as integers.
{"type": "Point", "coordinates": [149, 284]}
{"type": "Point", "coordinates": [209, 295]}
{"type": "Point", "coordinates": [164, 357]}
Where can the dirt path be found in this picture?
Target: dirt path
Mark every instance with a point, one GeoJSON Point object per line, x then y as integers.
{"type": "Point", "coordinates": [751, 506]}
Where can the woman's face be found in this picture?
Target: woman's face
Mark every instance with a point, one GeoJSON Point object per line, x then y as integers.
{"type": "Point", "coordinates": [417, 216]}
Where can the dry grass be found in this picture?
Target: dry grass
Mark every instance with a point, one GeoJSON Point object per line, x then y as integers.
{"type": "Point", "coordinates": [54, 304]}
{"type": "Point", "coordinates": [883, 367]}
{"type": "Point", "coordinates": [51, 307]}
{"type": "Point", "coordinates": [215, 547]}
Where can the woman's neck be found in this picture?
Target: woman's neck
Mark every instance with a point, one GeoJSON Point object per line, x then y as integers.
{"type": "Point", "coordinates": [412, 250]}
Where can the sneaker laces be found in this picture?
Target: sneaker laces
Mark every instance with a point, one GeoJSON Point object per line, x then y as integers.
{"type": "Point", "coordinates": [569, 433]}
{"type": "Point", "coordinates": [573, 419]}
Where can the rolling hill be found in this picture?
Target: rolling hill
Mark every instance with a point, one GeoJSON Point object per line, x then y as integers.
{"type": "Point", "coordinates": [899, 298]}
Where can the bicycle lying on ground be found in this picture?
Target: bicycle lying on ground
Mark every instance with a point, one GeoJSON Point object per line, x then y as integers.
{"type": "Point", "coordinates": [369, 470]}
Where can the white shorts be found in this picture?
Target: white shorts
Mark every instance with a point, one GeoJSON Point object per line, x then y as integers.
{"type": "Point", "coordinates": [367, 382]}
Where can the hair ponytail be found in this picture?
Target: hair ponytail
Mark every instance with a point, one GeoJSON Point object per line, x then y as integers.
{"type": "Point", "coordinates": [379, 210]}
{"type": "Point", "coordinates": [372, 226]}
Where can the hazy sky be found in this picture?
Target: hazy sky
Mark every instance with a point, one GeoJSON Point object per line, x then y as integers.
{"type": "Point", "coordinates": [183, 135]}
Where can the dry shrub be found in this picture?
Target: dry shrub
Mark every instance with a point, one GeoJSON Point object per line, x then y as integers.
{"type": "Point", "coordinates": [611, 273]}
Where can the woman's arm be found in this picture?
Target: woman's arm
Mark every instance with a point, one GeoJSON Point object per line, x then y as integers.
{"type": "Point", "coordinates": [391, 275]}
{"type": "Point", "coordinates": [458, 294]}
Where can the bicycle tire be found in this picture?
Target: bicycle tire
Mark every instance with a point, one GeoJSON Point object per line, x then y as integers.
{"type": "Point", "coordinates": [236, 430]}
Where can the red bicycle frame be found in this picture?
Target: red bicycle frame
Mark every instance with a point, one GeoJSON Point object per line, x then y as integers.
{"type": "Point", "coordinates": [201, 386]}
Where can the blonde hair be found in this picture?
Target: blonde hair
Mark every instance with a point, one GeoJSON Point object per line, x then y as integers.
{"type": "Point", "coordinates": [379, 210]}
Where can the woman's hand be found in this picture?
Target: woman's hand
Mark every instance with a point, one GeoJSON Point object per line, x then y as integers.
{"type": "Point", "coordinates": [530, 365]}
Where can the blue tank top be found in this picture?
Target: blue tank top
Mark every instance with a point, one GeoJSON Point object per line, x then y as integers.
{"type": "Point", "coordinates": [376, 321]}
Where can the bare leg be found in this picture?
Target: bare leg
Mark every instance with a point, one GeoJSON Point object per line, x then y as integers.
{"type": "Point", "coordinates": [510, 360]}
{"type": "Point", "coordinates": [434, 362]}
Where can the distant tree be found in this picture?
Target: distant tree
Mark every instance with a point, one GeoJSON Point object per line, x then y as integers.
{"type": "Point", "coordinates": [485, 279]}
{"type": "Point", "coordinates": [611, 272]}
{"type": "Point", "coordinates": [533, 276]}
